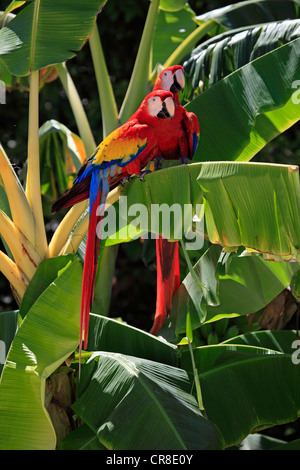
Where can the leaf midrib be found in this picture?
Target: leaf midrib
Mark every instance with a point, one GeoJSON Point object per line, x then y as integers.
{"type": "Point", "coordinates": [134, 372]}
{"type": "Point", "coordinates": [34, 32]}
{"type": "Point", "coordinates": [238, 362]}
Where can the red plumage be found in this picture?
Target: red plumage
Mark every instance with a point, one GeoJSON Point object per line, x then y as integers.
{"type": "Point", "coordinates": [168, 279]}
{"type": "Point", "coordinates": [126, 151]}
{"type": "Point", "coordinates": [181, 142]}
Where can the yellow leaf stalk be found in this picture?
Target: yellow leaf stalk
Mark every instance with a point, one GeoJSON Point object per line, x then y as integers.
{"type": "Point", "coordinates": [20, 209]}
{"type": "Point", "coordinates": [61, 234]}
{"type": "Point", "coordinates": [16, 278]}
{"type": "Point", "coordinates": [24, 253]}
{"type": "Point", "coordinates": [33, 186]}
{"type": "Point", "coordinates": [62, 242]}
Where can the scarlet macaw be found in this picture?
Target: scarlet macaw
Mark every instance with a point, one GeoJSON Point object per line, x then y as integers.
{"type": "Point", "coordinates": [126, 151]}
{"type": "Point", "coordinates": [183, 132]}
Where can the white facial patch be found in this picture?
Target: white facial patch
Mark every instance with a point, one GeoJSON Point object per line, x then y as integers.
{"type": "Point", "coordinates": [167, 80]}
{"type": "Point", "coordinates": [154, 105]}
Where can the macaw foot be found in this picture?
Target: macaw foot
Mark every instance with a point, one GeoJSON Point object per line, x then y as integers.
{"type": "Point", "coordinates": [125, 180]}
{"type": "Point", "coordinates": [143, 173]}
{"type": "Point", "coordinates": [158, 162]}
{"type": "Point", "coordinates": [183, 160]}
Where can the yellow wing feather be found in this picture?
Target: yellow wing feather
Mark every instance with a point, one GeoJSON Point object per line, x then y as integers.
{"type": "Point", "coordinates": [120, 147]}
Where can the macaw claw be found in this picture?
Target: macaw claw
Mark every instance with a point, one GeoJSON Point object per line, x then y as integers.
{"type": "Point", "coordinates": [143, 173]}
{"type": "Point", "coordinates": [183, 160]}
{"type": "Point", "coordinates": [125, 180]}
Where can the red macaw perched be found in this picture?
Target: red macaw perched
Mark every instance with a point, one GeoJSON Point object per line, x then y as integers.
{"type": "Point", "coordinates": [183, 131]}
{"type": "Point", "coordinates": [183, 135]}
{"type": "Point", "coordinates": [126, 151]}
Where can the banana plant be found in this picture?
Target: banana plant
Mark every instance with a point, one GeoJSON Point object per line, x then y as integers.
{"type": "Point", "coordinates": [241, 106]}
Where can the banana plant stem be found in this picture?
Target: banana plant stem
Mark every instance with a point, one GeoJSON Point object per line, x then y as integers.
{"type": "Point", "coordinates": [139, 81]}
{"type": "Point", "coordinates": [196, 378]}
{"type": "Point", "coordinates": [185, 47]}
{"type": "Point", "coordinates": [81, 228]}
{"type": "Point", "coordinates": [191, 268]}
{"type": "Point", "coordinates": [62, 233]}
{"type": "Point", "coordinates": [77, 108]}
{"type": "Point", "coordinates": [65, 239]}
{"type": "Point", "coordinates": [33, 186]}
{"type": "Point", "coordinates": [108, 104]}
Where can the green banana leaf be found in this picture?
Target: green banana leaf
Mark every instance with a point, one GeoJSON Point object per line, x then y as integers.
{"type": "Point", "coordinates": [200, 287]}
{"type": "Point", "coordinates": [29, 44]}
{"type": "Point", "coordinates": [112, 335]}
{"type": "Point", "coordinates": [247, 286]}
{"type": "Point", "coordinates": [255, 387]}
{"type": "Point", "coordinates": [46, 273]}
{"type": "Point", "coordinates": [278, 340]}
{"type": "Point", "coordinates": [233, 195]}
{"type": "Point", "coordinates": [251, 12]}
{"type": "Point", "coordinates": [82, 438]}
{"type": "Point", "coordinates": [61, 155]}
{"type": "Point", "coordinates": [72, 142]}
{"type": "Point", "coordinates": [261, 442]}
{"type": "Point", "coordinates": [295, 286]}
{"type": "Point", "coordinates": [6, 77]}
{"type": "Point", "coordinates": [131, 217]}
{"type": "Point", "coordinates": [171, 5]}
{"type": "Point", "coordinates": [230, 189]}
{"type": "Point", "coordinates": [244, 111]}
{"type": "Point", "coordinates": [223, 54]}
{"type": "Point", "coordinates": [170, 30]}
{"type": "Point", "coordinates": [47, 336]}
{"type": "Point", "coordinates": [253, 205]}
{"type": "Point", "coordinates": [133, 403]}
{"type": "Point", "coordinates": [14, 4]}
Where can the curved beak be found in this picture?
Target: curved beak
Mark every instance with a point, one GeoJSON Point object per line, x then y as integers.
{"type": "Point", "coordinates": [178, 81]}
{"type": "Point", "coordinates": [168, 109]}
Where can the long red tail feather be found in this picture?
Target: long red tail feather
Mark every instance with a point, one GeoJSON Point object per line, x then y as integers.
{"type": "Point", "coordinates": [90, 265]}
{"type": "Point", "coordinates": [168, 280]}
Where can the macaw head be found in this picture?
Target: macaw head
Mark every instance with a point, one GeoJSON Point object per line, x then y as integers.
{"type": "Point", "coordinates": [171, 79]}
{"type": "Point", "coordinates": [157, 105]}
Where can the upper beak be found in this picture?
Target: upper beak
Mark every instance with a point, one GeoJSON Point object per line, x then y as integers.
{"type": "Point", "coordinates": [178, 82]}
{"type": "Point", "coordinates": [168, 109]}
